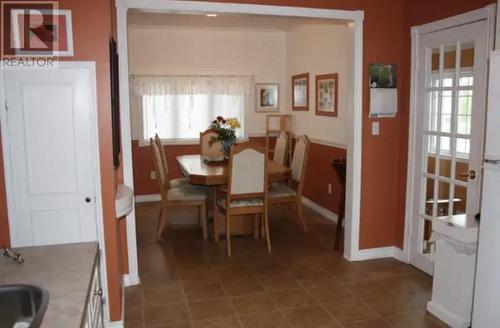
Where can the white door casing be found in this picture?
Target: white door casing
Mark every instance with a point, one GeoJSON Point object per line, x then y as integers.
{"type": "Point", "coordinates": [443, 39]}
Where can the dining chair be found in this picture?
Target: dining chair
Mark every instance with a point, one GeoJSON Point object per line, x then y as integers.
{"type": "Point", "coordinates": [281, 148]}
{"type": "Point", "coordinates": [183, 196]}
{"type": "Point", "coordinates": [213, 151]}
{"type": "Point", "coordinates": [174, 183]}
{"type": "Point", "coordinates": [282, 193]}
{"type": "Point", "coordinates": [246, 191]}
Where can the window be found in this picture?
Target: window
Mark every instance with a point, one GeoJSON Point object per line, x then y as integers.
{"type": "Point", "coordinates": [179, 108]}
{"type": "Point", "coordinates": [463, 115]}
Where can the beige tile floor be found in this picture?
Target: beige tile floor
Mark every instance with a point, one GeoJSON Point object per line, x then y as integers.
{"type": "Point", "coordinates": [188, 282]}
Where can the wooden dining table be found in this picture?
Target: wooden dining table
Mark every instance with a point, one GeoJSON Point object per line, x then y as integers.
{"type": "Point", "coordinates": [199, 172]}
{"type": "Point", "coordinates": [214, 174]}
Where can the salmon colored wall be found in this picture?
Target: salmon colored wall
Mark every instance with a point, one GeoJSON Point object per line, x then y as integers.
{"type": "Point", "coordinates": [92, 27]}
{"type": "Point", "coordinates": [418, 13]}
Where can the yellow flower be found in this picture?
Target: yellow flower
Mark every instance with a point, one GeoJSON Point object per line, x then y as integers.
{"type": "Point", "coordinates": [233, 123]}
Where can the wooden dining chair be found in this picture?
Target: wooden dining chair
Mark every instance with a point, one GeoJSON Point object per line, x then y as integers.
{"type": "Point", "coordinates": [173, 183]}
{"type": "Point", "coordinates": [183, 196]}
{"type": "Point", "coordinates": [208, 151]}
{"type": "Point", "coordinates": [282, 193]}
{"type": "Point", "coordinates": [281, 148]}
{"type": "Point", "coordinates": [246, 191]}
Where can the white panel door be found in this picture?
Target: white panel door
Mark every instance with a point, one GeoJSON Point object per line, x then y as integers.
{"type": "Point", "coordinates": [50, 139]}
{"type": "Point", "coordinates": [450, 105]}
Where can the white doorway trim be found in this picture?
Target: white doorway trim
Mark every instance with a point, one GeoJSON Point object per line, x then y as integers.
{"type": "Point", "coordinates": [353, 183]}
{"type": "Point", "coordinates": [90, 66]}
{"type": "Point", "coordinates": [486, 13]}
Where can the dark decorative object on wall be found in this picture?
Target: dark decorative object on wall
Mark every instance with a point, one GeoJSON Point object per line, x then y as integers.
{"type": "Point", "coordinates": [115, 102]}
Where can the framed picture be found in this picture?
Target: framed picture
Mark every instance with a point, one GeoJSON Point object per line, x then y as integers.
{"type": "Point", "coordinates": [266, 97]}
{"type": "Point", "coordinates": [383, 76]}
{"type": "Point", "coordinates": [54, 37]}
{"type": "Point", "coordinates": [327, 87]}
{"type": "Point", "coordinates": [300, 92]}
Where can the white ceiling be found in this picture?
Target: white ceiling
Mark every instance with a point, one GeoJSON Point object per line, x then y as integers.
{"type": "Point", "coordinates": [223, 21]}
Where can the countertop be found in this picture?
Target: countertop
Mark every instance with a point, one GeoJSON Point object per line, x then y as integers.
{"type": "Point", "coordinates": [64, 271]}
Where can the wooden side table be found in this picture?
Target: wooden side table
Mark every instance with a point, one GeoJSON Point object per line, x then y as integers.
{"type": "Point", "coordinates": [340, 168]}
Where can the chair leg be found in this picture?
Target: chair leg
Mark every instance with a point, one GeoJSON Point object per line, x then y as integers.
{"type": "Point", "coordinates": [300, 214]}
{"type": "Point", "coordinates": [228, 233]}
{"type": "Point", "coordinates": [256, 219]}
{"type": "Point", "coordinates": [203, 218]}
{"type": "Point", "coordinates": [162, 221]}
{"type": "Point", "coordinates": [266, 224]}
{"type": "Point", "coordinates": [216, 225]}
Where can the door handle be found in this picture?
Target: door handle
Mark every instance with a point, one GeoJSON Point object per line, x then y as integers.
{"type": "Point", "coordinates": [470, 175]}
{"type": "Point", "coordinates": [88, 199]}
{"type": "Point", "coordinates": [492, 161]}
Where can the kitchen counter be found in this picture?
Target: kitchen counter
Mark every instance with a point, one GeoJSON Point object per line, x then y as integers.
{"type": "Point", "coordinates": [65, 271]}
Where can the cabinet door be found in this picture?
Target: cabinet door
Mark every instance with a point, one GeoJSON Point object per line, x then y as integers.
{"type": "Point", "coordinates": [93, 312]}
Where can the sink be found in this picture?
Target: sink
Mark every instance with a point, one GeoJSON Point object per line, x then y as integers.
{"type": "Point", "coordinates": [22, 306]}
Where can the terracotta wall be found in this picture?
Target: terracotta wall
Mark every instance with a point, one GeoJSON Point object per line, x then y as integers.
{"type": "Point", "coordinates": [418, 13]}
{"type": "Point", "coordinates": [92, 28]}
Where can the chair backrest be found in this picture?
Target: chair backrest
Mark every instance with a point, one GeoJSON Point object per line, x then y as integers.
{"type": "Point", "coordinates": [161, 174]}
{"type": "Point", "coordinates": [281, 148]}
{"type": "Point", "coordinates": [299, 161]}
{"type": "Point", "coordinates": [247, 172]}
{"type": "Point", "coordinates": [207, 150]}
{"type": "Point", "coordinates": [162, 153]}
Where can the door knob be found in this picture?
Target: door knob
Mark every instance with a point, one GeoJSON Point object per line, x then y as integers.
{"type": "Point", "coordinates": [88, 199]}
{"type": "Point", "coordinates": [471, 175]}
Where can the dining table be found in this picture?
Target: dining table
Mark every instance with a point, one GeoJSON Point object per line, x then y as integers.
{"type": "Point", "coordinates": [214, 174]}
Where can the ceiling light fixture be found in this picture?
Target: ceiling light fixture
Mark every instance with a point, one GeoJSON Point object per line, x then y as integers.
{"type": "Point", "coordinates": [211, 15]}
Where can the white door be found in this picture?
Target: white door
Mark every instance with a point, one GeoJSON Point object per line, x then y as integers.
{"type": "Point", "coordinates": [449, 131]}
{"type": "Point", "coordinates": [52, 162]}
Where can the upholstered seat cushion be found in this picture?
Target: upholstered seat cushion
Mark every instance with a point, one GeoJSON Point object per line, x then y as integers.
{"type": "Point", "coordinates": [187, 193]}
{"type": "Point", "coordinates": [241, 202]}
{"type": "Point", "coordinates": [279, 190]}
{"type": "Point", "coordinates": [175, 183]}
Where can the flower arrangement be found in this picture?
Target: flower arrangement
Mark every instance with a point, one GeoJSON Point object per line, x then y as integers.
{"type": "Point", "coordinates": [225, 129]}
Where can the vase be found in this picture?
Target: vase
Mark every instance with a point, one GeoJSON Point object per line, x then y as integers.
{"type": "Point", "coordinates": [226, 147]}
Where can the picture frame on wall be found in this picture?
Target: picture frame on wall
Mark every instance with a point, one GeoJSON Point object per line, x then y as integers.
{"type": "Point", "coordinates": [327, 87]}
{"type": "Point", "coordinates": [267, 97]}
{"type": "Point", "coordinates": [300, 92]}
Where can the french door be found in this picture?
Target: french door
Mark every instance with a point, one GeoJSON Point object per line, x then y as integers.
{"type": "Point", "coordinates": [449, 132]}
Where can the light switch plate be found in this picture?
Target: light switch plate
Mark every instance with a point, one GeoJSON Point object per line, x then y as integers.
{"type": "Point", "coordinates": [375, 128]}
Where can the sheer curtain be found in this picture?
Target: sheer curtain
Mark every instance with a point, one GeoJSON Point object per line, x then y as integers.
{"type": "Point", "coordinates": [179, 107]}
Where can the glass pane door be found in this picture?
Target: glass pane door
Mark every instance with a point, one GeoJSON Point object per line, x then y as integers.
{"type": "Point", "coordinates": [447, 135]}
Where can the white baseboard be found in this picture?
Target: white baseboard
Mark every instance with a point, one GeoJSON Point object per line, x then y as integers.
{"type": "Point", "coordinates": [147, 198]}
{"type": "Point", "coordinates": [114, 324]}
{"type": "Point", "coordinates": [446, 316]}
{"type": "Point", "coordinates": [131, 280]}
{"type": "Point", "coordinates": [320, 209]}
{"type": "Point", "coordinates": [378, 253]}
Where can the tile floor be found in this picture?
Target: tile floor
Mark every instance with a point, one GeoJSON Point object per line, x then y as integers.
{"type": "Point", "coordinates": [187, 282]}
